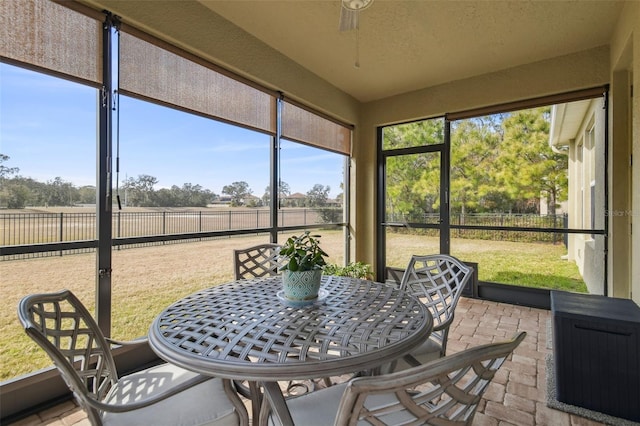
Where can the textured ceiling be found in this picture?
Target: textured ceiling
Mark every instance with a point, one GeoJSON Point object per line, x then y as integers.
{"type": "Point", "coordinates": [408, 45]}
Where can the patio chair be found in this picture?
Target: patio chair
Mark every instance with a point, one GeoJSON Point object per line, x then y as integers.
{"type": "Point", "coordinates": [160, 395]}
{"type": "Point", "coordinates": [257, 261]}
{"type": "Point", "coordinates": [437, 280]}
{"type": "Point", "coordinates": [442, 392]}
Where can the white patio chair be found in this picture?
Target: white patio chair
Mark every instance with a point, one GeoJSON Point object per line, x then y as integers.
{"type": "Point", "coordinates": [445, 391]}
{"type": "Point", "coordinates": [437, 280]}
{"type": "Point", "coordinates": [160, 395]}
{"type": "Point", "coordinates": [258, 261]}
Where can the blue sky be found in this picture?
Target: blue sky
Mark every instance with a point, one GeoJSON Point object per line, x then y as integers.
{"type": "Point", "coordinates": [48, 129]}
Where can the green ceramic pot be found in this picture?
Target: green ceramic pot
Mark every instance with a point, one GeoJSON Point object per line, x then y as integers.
{"type": "Point", "coordinates": [301, 285]}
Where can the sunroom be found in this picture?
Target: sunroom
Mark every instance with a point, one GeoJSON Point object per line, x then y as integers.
{"type": "Point", "coordinates": [252, 90]}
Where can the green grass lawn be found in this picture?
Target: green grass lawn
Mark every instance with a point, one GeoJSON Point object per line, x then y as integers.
{"type": "Point", "coordinates": [541, 270]}
{"type": "Point", "coordinates": [522, 264]}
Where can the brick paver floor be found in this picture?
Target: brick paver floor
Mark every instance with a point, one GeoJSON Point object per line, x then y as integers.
{"type": "Point", "coordinates": [515, 397]}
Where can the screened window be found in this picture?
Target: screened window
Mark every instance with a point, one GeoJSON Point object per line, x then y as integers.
{"type": "Point", "coordinates": [47, 195]}
{"type": "Point", "coordinates": [517, 193]}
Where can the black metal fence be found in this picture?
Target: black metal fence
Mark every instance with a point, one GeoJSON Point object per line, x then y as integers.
{"type": "Point", "coordinates": [40, 228]}
{"type": "Point", "coordinates": [483, 226]}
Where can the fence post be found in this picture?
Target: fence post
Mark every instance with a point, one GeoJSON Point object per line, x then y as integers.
{"type": "Point", "coordinates": [61, 229]}
{"type": "Point", "coordinates": [118, 224]}
{"type": "Point", "coordinates": [164, 226]}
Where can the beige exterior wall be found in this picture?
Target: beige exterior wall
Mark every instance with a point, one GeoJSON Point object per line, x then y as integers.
{"type": "Point", "coordinates": [586, 168]}
{"type": "Point", "coordinates": [624, 249]}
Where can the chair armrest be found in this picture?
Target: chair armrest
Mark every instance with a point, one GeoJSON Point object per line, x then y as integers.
{"type": "Point", "coordinates": [443, 325]}
{"type": "Point", "coordinates": [141, 341]}
{"type": "Point", "coordinates": [121, 408]}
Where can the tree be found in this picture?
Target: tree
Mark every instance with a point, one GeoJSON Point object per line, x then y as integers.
{"type": "Point", "coordinates": [413, 181]}
{"type": "Point", "coordinates": [19, 192]}
{"type": "Point", "coordinates": [283, 191]}
{"type": "Point", "coordinates": [60, 192]}
{"type": "Point", "coordinates": [87, 194]}
{"type": "Point", "coordinates": [529, 167]}
{"type": "Point", "coordinates": [17, 197]}
{"type": "Point", "coordinates": [419, 133]}
{"type": "Point", "coordinates": [238, 191]}
{"type": "Point", "coordinates": [6, 172]}
{"type": "Point", "coordinates": [498, 163]}
{"type": "Point", "coordinates": [318, 195]}
{"type": "Point", "coordinates": [13, 195]}
{"type": "Point", "coordinates": [475, 144]}
{"type": "Point", "coordinates": [140, 190]}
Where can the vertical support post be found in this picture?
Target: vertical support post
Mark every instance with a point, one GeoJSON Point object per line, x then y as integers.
{"type": "Point", "coordinates": [103, 192]}
{"type": "Point", "coordinates": [275, 173]}
{"type": "Point", "coordinates": [346, 207]}
{"type": "Point", "coordinates": [445, 178]}
{"type": "Point", "coordinates": [605, 96]}
{"type": "Point", "coordinates": [381, 206]}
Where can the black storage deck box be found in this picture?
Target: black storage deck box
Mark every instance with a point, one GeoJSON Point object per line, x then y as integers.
{"type": "Point", "coordinates": [596, 350]}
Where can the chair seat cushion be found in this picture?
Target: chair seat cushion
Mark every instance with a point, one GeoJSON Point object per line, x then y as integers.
{"type": "Point", "coordinates": [203, 404]}
{"type": "Point", "coordinates": [317, 408]}
{"type": "Point", "coordinates": [426, 352]}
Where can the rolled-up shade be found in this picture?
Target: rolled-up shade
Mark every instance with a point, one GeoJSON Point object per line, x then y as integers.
{"type": "Point", "coordinates": [304, 126]}
{"type": "Point", "coordinates": [52, 37]}
{"type": "Point", "coordinates": [154, 73]}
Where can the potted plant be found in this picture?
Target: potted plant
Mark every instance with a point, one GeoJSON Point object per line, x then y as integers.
{"type": "Point", "coordinates": [302, 270]}
{"type": "Point", "coordinates": [354, 270]}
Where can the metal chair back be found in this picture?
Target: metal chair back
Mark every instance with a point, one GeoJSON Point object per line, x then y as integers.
{"type": "Point", "coordinates": [437, 280]}
{"type": "Point", "coordinates": [258, 261]}
{"type": "Point", "coordinates": [67, 332]}
{"type": "Point", "coordinates": [445, 391]}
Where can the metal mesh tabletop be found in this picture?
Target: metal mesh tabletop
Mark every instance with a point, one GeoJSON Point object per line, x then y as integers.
{"type": "Point", "coordinates": [242, 330]}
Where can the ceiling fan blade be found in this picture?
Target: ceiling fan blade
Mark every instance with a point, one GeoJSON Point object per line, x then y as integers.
{"type": "Point", "coordinates": [348, 19]}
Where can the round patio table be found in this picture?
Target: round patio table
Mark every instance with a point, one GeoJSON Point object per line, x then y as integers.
{"type": "Point", "coordinates": [244, 330]}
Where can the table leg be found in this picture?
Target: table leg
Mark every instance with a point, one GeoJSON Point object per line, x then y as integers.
{"type": "Point", "coordinates": [279, 408]}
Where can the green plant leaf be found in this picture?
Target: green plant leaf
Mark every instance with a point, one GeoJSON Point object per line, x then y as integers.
{"type": "Point", "coordinates": [293, 264]}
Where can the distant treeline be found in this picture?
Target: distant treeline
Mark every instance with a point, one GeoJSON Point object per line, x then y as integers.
{"type": "Point", "coordinates": [17, 192]}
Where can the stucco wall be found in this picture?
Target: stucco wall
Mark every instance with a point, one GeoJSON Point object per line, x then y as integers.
{"type": "Point", "coordinates": [585, 250]}
{"type": "Point", "coordinates": [625, 71]}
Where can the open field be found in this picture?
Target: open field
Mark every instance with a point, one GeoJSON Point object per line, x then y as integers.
{"type": "Point", "coordinates": [145, 280]}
